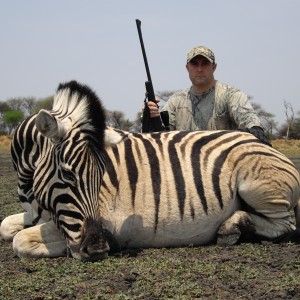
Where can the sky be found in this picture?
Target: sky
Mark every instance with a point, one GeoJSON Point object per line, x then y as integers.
{"type": "Point", "coordinates": [44, 43]}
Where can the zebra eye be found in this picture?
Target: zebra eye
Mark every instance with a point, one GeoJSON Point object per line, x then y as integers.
{"type": "Point", "coordinates": [68, 176]}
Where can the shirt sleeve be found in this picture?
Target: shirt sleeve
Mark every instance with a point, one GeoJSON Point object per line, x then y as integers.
{"type": "Point", "coordinates": [241, 110]}
{"type": "Point", "coordinates": [170, 108]}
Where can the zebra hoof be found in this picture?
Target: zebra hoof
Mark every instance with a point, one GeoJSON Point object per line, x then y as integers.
{"type": "Point", "coordinates": [228, 238]}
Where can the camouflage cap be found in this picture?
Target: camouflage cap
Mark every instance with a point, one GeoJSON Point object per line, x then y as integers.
{"type": "Point", "coordinates": [203, 51]}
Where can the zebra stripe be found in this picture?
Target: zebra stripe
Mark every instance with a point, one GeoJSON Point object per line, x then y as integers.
{"type": "Point", "coordinates": [177, 171]}
{"type": "Point", "coordinates": [131, 169]}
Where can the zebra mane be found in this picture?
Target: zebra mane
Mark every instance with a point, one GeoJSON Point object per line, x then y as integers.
{"type": "Point", "coordinates": [81, 107]}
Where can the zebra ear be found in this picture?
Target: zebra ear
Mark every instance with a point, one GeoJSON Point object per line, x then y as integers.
{"type": "Point", "coordinates": [113, 136]}
{"type": "Point", "coordinates": [49, 126]}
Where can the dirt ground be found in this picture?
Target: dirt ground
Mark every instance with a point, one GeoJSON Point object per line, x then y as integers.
{"type": "Point", "coordinates": [246, 271]}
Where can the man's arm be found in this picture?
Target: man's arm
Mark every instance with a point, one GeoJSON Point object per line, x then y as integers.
{"type": "Point", "coordinates": [241, 110]}
{"type": "Point", "coordinates": [244, 115]}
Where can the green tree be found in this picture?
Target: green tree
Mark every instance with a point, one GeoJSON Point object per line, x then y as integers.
{"type": "Point", "coordinates": [15, 103]}
{"type": "Point", "coordinates": [137, 123]}
{"type": "Point", "coordinates": [43, 103]}
{"type": "Point", "coordinates": [29, 104]}
{"type": "Point", "coordinates": [289, 113]}
{"type": "Point", "coordinates": [267, 119]}
{"type": "Point", "coordinates": [117, 120]}
{"type": "Point", "coordinates": [3, 108]}
{"type": "Point", "coordinates": [24, 104]}
{"type": "Point", "coordinates": [295, 130]}
{"type": "Point", "coordinates": [11, 120]}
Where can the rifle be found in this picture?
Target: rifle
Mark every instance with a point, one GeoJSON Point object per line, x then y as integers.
{"type": "Point", "coordinates": [148, 124]}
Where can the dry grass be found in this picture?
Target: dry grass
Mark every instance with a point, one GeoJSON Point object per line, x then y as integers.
{"type": "Point", "coordinates": [5, 141]}
{"type": "Point", "coordinates": [288, 147]}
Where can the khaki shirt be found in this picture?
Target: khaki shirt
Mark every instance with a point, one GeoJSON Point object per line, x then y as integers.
{"type": "Point", "coordinates": [232, 110]}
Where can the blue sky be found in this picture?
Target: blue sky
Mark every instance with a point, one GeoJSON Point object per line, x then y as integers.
{"type": "Point", "coordinates": [43, 43]}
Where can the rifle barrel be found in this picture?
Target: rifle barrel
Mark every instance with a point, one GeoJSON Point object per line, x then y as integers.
{"type": "Point", "coordinates": [138, 24]}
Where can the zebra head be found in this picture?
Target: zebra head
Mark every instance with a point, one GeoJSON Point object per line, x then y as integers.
{"type": "Point", "coordinates": [69, 174]}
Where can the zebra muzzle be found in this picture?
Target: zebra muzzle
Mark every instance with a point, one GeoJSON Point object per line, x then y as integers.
{"type": "Point", "coordinates": [94, 245]}
{"type": "Point", "coordinates": [94, 253]}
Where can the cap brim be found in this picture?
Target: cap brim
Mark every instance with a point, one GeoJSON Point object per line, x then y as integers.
{"type": "Point", "coordinates": [208, 58]}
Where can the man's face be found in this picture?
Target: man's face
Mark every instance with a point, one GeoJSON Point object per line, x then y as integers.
{"type": "Point", "coordinates": [201, 71]}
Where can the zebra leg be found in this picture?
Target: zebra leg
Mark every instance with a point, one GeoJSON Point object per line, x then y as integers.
{"type": "Point", "coordinates": [272, 228]}
{"type": "Point", "coordinates": [11, 225]}
{"type": "Point", "coordinates": [260, 225]}
{"type": "Point", "coordinates": [43, 240]}
{"type": "Point", "coordinates": [231, 230]}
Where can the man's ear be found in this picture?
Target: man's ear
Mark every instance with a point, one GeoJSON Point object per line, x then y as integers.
{"type": "Point", "coordinates": [215, 66]}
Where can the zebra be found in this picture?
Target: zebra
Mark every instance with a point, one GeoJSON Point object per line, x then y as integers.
{"type": "Point", "coordinates": [89, 189]}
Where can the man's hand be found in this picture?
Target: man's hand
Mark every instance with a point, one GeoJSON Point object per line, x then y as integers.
{"type": "Point", "coordinates": [258, 132]}
{"type": "Point", "coordinates": [154, 110]}
{"type": "Point", "coordinates": [151, 121]}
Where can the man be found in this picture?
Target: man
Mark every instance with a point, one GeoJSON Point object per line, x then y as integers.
{"type": "Point", "coordinates": [209, 104]}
